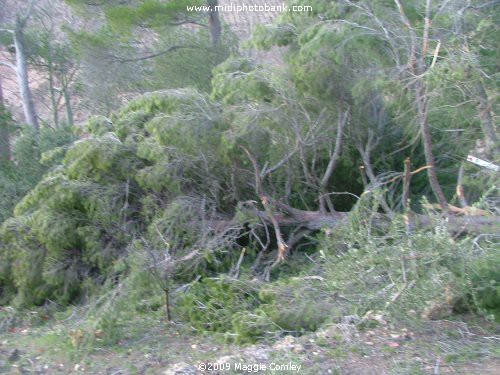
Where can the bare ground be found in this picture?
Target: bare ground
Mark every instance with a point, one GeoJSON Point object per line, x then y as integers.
{"type": "Point", "coordinates": [158, 347]}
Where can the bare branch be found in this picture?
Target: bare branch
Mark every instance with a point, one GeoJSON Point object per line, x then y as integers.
{"type": "Point", "coordinates": [8, 65]}
{"type": "Point", "coordinates": [157, 54]}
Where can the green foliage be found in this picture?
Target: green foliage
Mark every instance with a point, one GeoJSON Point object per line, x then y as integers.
{"type": "Point", "coordinates": [211, 305]}
{"type": "Point", "coordinates": [150, 13]}
{"type": "Point", "coordinates": [176, 57]}
{"type": "Point", "coordinates": [430, 272]}
{"type": "Point", "coordinates": [32, 155]}
{"type": "Point", "coordinates": [161, 194]}
{"type": "Point", "coordinates": [70, 229]}
{"type": "Point", "coordinates": [240, 80]}
{"type": "Point", "coordinates": [485, 283]}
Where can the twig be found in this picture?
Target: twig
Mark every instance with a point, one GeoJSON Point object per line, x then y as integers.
{"type": "Point", "coordinates": [236, 270]}
{"type": "Point", "coordinates": [436, 366]}
{"type": "Point", "coordinates": [398, 294]}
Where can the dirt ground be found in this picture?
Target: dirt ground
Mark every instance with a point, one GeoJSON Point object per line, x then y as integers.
{"type": "Point", "coordinates": [158, 347]}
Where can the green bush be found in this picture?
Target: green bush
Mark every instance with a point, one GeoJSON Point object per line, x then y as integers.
{"type": "Point", "coordinates": [212, 304]}
{"type": "Point", "coordinates": [427, 271]}
{"type": "Point", "coordinates": [485, 283]}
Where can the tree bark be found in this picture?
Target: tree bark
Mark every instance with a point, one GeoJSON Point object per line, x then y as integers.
{"type": "Point", "coordinates": [486, 118]}
{"type": "Point", "coordinates": [214, 24]}
{"type": "Point", "coordinates": [22, 75]}
{"type": "Point", "coordinates": [52, 89]}
{"type": "Point", "coordinates": [423, 117]}
{"type": "Point", "coordinates": [460, 188]}
{"type": "Point", "coordinates": [316, 220]}
{"type": "Point", "coordinates": [67, 99]}
{"type": "Point", "coordinates": [342, 121]}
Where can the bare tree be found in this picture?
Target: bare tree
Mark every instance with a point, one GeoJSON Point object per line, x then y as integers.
{"type": "Point", "coordinates": [417, 67]}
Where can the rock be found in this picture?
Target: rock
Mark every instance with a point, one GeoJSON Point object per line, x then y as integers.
{"type": "Point", "coordinates": [376, 316]}
{"type": "Point", "coordinates": [350, 319]}
{"type": "Point", "coordinates": [299, 349]}
{"type": "Point", "coordinates": [257, 353]}
{"type": "Point", "coordinates": [285, 344]}
{"type": "Point", "coordinates": [181, 368]}
{"type": "Point", "coordinates": [437, 311]}
{"type": "Point", "coordinates": [225, 359]}
{"type": "Point", "coordinates": [14, 355]}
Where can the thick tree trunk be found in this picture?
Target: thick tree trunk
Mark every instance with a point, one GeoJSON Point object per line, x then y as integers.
{"type": "Point", "coordinates": [22, 76]}
{"type": "Point", "coordinates": [5, 153]}
{"type": "Point", "coordinates": [214, 23]}
{"type": "Point", "coordinates": [316, 220]}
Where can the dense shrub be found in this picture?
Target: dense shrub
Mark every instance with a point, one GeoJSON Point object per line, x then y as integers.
{"type": "Point", "coordinates": [71, 228]}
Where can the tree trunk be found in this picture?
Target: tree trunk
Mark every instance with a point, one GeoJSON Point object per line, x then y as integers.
{"type": "Point", "coordinates": [486, 118]}
{"type": "Point", "coordinates": [460, 188]}
{"type": "Point", "coordinates": [316, 220]}
{"type": "Point", "coordinates": [423, 112]}
{"type": "Point", "coordinates": [22, 76]}
{"type": "Point", "coordinates": [214, 23]}
{"type": "Point", "coordinates": [67, 99]}
{"type": "Point", "coordinates": [423, 117]}
{"type": "Point", "coordinates": [52, 89]}
{"type": "Point", "coordinates": [167, 304]}
{"type": "Point", "coordinates": [5, 153]}
{"type": "Point", "coordinates": [342, 121]}
{"type": "Point", "coordinates": [417, 67]}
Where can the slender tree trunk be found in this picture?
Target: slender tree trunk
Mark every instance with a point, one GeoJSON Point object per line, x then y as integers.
{"type": "Point", "coordinates": [423, 113]}
{"type": "Point", "coordinates": [365, 156]}
{"type": "Point", "coordinates": [53, 100]}
{"type": "Point", "coordinates": [342, 121]}
{"type": "Point", "coordinates": [214, 23]}
{"type": "Point", "coordinates": [423, 117]}
{"type": "Point", "coordinates": [417, 68]}
{"type": "Point", "coordinates": [486, 118]}
{"type": "Point", "coordinates": [22, 76]}
{"type": "Point", "coordinates": [460, 188]}
{"type": "Point", "coordinates": [167, 304]}
{"type": "Point", "coordinates": [67, 100]}
{"type": "Point", "coordinates": [5, 153]}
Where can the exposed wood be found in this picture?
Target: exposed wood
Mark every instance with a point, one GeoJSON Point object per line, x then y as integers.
{"type": "Point", "coordinates": [406, 196]}
{"type": "Point", "coordinates": [363, 176]}
{"type": "Point", "coordinates": [316, 220]}
{"type": "Point", "coordinates": [406, 184]}
{"type": "Point", "coordinates": [266, 203]}
{"type": "Point", "coordinates": [460, 188]}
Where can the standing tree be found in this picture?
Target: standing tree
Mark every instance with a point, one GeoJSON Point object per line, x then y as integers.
{"type": "Point", "coordinates": [151, 44]}
{"type": "Point", "coordinates": [21, 66]}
